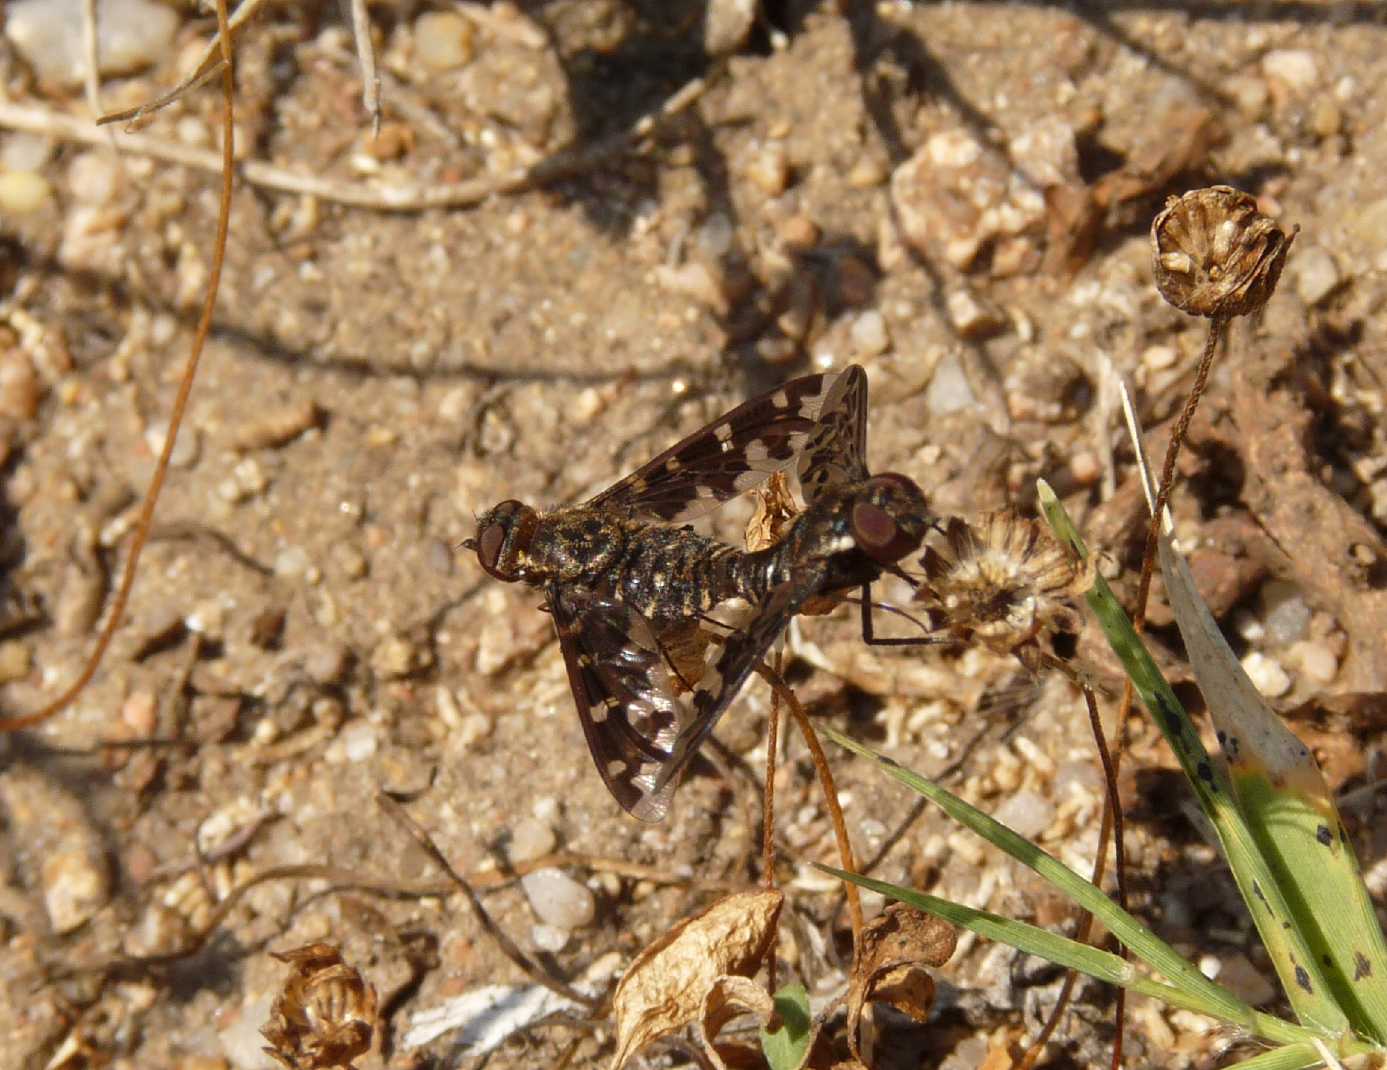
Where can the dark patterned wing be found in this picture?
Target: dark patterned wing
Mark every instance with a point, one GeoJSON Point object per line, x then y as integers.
{"type": "Point", "coordinates": [626, 697]}
{"type": "Point", "coordinates": [740, 655]}
{"type": "Point", "coordinates": [730, 456]}
{"type": "Point", "coordinates": [836, 451]}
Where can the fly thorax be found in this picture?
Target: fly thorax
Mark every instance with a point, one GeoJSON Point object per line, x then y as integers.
{"type": "Point", "coordinates": [577, 546]}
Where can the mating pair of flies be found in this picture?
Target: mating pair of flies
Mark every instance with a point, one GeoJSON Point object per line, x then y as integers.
{"type": "Point", "coordinates": [631, 586]}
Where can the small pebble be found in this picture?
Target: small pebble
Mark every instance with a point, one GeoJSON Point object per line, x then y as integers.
{"type": "Point", "coordinates": [474, 728]}
{"type": "Point", "coordinates": [869, 335]}
{"type": "Point", "coordinates": [358, 740]}
{"type": "Point", "coordinates": [23, 192]}
{"type": "Point", "coordinates": [395, 656]}
{"type": "Point", "coordinates": [292, 562]}
{"type": "Point", "coordinates": [716, 235]}
{"type": "Point", "coordinates": [93, 178]}
{"type": "Point", "coordinates": [531, 839]}
{"type": "Point", "coordinates": [1158, 358]}
{"type": "Point", "coordinates": [948, 388]}
{"type": "Point", "coordinates": [769, 169]}
{"type": "Point", "coordinates": [726, 24]}
{"type": "Point", "coordinates": [326, 663]}
{"type": "Point", "coordinates": [549, 938]}
{"type": "Point", "coordinates": [856, 282]}
{"type": "Point", "coordinates": [1285, 614]}
{"type": "Point", "coordinates": [20, 388]}
{"type": "Point", "coordinates": [866, 173]}
{"type": "Point", "coordinates": [25, 152]}
{"type": "Point", "coordinates": [558, 900]}
{"type": "Point", "coordinates": [132, 34]}
{"type": "Point", "coordinates": [140, 712]}
{"type": "Point", "coordinates": [1237, 974]}
{"type": "Point", "coordinates": [1316, 661]}
{"type": "Point", "coordinates": [1316, 274]}
{"type": "Point", "coordinates": [185, 447]}
{"type": "Point", "coordinates": [1266, 674]}
{"type": "Point", "coordinates": [1294, 68]}
{"type": "Point", "coordinates": [972, 317]}
{"type": "Point", "coordinates": [1026, 813]}
{"type": "Point", "coordinates": [1086, 468]}
{"type": "Point", "coordinates": [15, 661]}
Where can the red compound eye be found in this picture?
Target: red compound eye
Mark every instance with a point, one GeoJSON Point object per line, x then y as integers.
{"type": "Point", "coordinates": [878, 535]}
{"type": "Point", "coordinates": [489, 547]}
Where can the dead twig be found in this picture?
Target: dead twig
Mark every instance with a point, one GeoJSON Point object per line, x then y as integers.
{"type": "Point", "coordinates": [562, 165]}
{"type": "Point", "coordinates": [366, 56]}
{"type": "Point", "coordinates": [508, 947]}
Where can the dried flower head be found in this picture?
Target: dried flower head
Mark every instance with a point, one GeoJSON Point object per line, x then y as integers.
{"type": "Point", "coordinates": [1214, 254]}
{"type": "Point", "coordinates": [1006, 581]}
{"type": "Point", "coordinates": [325, 1015]}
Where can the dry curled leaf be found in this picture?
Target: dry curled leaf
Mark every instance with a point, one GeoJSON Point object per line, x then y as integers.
{"type": "Point", "coordinates": [325, 1015]}
{"type": "Point", "coordinates": [728, 998]}
{"type": "Point", "coordinates": [775, 508]}
{"type": "Point", "coordinates": [898, 948]}
{"type": "Point", "coordinates": [665, 987]}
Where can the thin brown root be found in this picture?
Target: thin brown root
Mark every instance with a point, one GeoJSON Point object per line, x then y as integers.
{"type": "Point", "coordinates": [768, 815]}
{"type": "Point", "coordinates": [180, 403]}
{"type": "Point", "coordinates": [840, 827]}
{"type": "Point", "coordinates": [508, 947]}
{"type": "Point", "coordinates": [1111, 820]}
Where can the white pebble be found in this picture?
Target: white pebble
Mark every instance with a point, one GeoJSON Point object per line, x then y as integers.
{"type": "Point", "coordinates": [869, 334]}
{"type": "Point", "coordinates": [1026, 813]}
{"type": "Point", "coordinates": [971, 316]}
{"type": "Point", "coordinates": [948, 388]}
{"type": "Point", "coordinates": [558, 900]}
{"type": "Point", "coordinates": [1316, 661]}
{"type": "Point", "coordinates": [93, 178]}
{"type": "Point", "coordinates": [23, 192]}
{"type": "Point", "coordinates": [1284, 612]}
{"type": "Point", "coordinates": [443, 40]}
{"type": "Point", "coordinates": [1158, 358]}
{"type": "Point", "coordinates": [769, 169]}
{"type": "Point", "coordinates": [531, 839]}
{"type": "Point", "coordinates": [358, 741]}
{"type": "Point", "coordinates": [25, 152]}
{"type": "Point", "coordinates": [185, 447]}
{"type": "Point", "coordinates": [549, 938]}
{"type": "Point", "coordinates": [131, 34]}
{"type": "Point", "coordinates": [1266, 674]}
{"type": "Point", "coordinates": [1293, 67]}
{"type": "Point", "coordinates": [1316, 274]}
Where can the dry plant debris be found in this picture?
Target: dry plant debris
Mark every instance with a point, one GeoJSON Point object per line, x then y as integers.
{"type": "Point", "coordinates": [899, 948]}
{"type": "Point", "coordinates": [666, 986]}
{"type": "Point", "coordinates": [325, 1016]}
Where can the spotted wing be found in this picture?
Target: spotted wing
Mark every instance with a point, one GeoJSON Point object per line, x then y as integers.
{"type": "Point", "coordinates": [732, 455]}
{"type": "Point", "coordinates": [741, 653]}
{"type": "Point", "coordinates": [626, 696]}
{"type": "Point", "coordinates": [836, 451]}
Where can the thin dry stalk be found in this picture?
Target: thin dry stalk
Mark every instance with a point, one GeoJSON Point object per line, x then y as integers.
{"type": "Point", "coordinates": [768, 812]}
{"type": "Point", "coordinates": [180, 404]}
{"type": "Point", "coordinates": [840, 827]}
{"type": "Point", "coordinates": [508, 947]}
{"type": "Point", "coordinates": [366, 56]}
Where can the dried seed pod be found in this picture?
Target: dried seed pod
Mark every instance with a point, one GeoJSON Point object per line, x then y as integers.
{"type": "Point", "coordinates": [1005, 581]}
{"type": "Point", "coordinates": [1215, 255]}
{"type": "Point", "coordinates": [326, 1014]}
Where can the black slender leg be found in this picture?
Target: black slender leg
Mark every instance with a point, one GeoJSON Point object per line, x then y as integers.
{"type": "Point", "coordinates": [870, 637]}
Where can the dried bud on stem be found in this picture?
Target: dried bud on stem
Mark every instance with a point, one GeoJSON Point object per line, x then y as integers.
{"type": "Point", "coordinates": [1215, 255]}
{"type": "Point", "coordinates": [326, 1014]}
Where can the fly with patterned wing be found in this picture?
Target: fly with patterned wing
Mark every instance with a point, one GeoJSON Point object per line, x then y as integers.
{"type": "Point", "coordinates": [629, 590]}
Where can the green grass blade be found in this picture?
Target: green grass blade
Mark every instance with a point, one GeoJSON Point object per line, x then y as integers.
{"type": "Point", "coordinates": [1143, 943]}
{"type": "Point", "coordinates": [1096, 963]}
{"type": "Point", "coordinates": [1301, 973]}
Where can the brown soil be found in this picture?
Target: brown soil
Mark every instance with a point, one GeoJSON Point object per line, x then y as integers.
{"type": "Point", "coordinates": [305, 632]}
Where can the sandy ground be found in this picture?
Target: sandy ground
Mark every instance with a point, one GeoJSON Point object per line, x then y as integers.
{"type": "Point", "coordinates": [955, 195]}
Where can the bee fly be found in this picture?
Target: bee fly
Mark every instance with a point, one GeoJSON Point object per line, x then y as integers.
{"type": "Point", "coordinates": [630, 585]}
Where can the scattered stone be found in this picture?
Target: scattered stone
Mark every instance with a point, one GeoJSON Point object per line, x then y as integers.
{"type": "Point", "coordinates": [1266, 674]}
{"type": "Point", "coordinates": [558, 900]}
{"type": "Point", "coordinates": [531, 839]}
{"type": "Point", "coordinates": [20, 387]}
{"type": "Point", "coordinates": [140, 713]}
{"type": "Point", "coordinates": [1285, 614]}
{"type": "Point", "coordinates": [948, 388]}
{"type": "Point", "coordinates": [21, 151]}
{"type": "Point", "coordinates": [131, 34]}
{"type": "Point", "coordinates": [953, 198]}
{"type": "Point", "coordinates": [855, 282]}
{"type": "Point", "coordinates": [1325, 117]}
{"type": "Point", "coordinates": [867, 173]}
{"type": "Point", "coordinates": [185, 447]}
{"type": "Point", "coordinates": [769, 169]}
{"type": "Point", "coordinates": [358, 741]}
{"type": "Point", "coordinates": [444, 40]}
{"type": "Point", "coordinates": [1159, 358]}
{"type": "Point", "coordinates": [1316, 274]}
{"type": "Point", "coordinates": [973, 317]}
{"type": "Point", "coordinates": [23, 192]}
{"type": "Point", "coordinates": [326, 663]}
{"type": "Point", "coordinates": [798, 233]}
{"type": "Point", "coordinates": [1316, 660]}
{"type": "Point", "coordinates": [549, 938]}
{"type": "Point", "coordinates": [1026, 813]}
{"type": "Point", "coordinates": [93, 178]}
{"type": "Point", "coordinates": [696, 280]}
{"type": "Point", "coordinates": [15, 661]}
{"type": "Point", "coordinates": [397, 656]}
{"type": "Point", "coordinates": [726, 24]}
{"type": "Point", "coordinates": [1295, 68]}
{"type": "Point", "coordinates": [57, 845]}
{"type": "Point", "coordinates": [277, 427]}
{"type": "Point", "coordinates": [869, 334]}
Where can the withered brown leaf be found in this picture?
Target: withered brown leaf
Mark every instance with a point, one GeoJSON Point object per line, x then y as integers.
{"type": "Point", "coordinates": [897, 948]}
{"type": "Point", "coordinates": [665, 987]}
